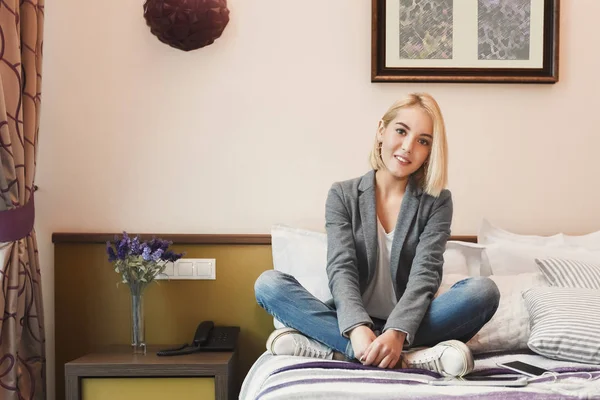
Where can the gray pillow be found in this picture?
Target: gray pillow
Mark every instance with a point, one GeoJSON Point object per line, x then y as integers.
{"type": "Point", "coordinates": [570, 273]}
{"type": "Point", "coordinates": [565, 323]}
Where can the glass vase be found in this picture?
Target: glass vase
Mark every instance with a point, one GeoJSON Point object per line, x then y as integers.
{"type": "Point", "coordinates": [138, 340]}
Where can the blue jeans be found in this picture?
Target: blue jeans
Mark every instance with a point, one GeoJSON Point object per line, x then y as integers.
{"type": "Point", "coordinates": [457, 314]}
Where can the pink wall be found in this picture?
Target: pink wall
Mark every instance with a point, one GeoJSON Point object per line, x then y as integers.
{"type": "Point", "coordinates": [252, 130]}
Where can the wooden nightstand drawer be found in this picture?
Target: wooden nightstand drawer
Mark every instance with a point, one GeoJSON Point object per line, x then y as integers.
{"type": "Point", "coordinates": [117, 374]}
{"type": "Point", "coordinates": [147, 388]}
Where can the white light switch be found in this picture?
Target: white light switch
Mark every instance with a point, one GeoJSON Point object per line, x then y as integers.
{"type": "Point", "coordinates": [205, 269]}
{"type": "Point", "coordinates": [185, 268]}
{"type": "Point", "coordinates": [190, 268]}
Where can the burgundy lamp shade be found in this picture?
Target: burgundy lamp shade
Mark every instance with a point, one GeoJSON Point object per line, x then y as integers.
{"type": "Point", "coordinates": [186, 24]}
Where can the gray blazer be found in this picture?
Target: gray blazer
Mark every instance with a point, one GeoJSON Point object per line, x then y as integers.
{"type": "Point", "coordinates": [420, 237]}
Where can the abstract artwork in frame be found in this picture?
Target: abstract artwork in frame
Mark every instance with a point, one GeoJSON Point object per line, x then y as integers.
{"type": "Point", "coordinates": [499, 41]}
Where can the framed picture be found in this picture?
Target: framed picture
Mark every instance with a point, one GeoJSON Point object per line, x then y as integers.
{"type": "Point", "coordinates": [501, 41]}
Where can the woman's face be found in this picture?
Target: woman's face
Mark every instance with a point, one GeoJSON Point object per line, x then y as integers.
{"type": "Point", "coordinates": [406, 141]}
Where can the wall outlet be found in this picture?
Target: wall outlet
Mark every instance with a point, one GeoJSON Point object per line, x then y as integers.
{"type": "Point", "coordinates": [190, 268]}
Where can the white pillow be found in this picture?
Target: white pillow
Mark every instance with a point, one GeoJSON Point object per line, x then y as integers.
{"type": "Point", "coordinates": [509, 327]}
{"type": "Point", "coordinates": [472, 254]}
{"type": "Point", "coordinates": [513, 258]}
{"type": "Point", "coordinates": [455, 261]}
{"type": "Point", "coordinates": [302, 254]}
{"type": "Point", "coordinates": [490, 234]}
{"type": "Point", "coordinates": [591, 241]}
{"type": "Point", "coordinates": [464, 258]}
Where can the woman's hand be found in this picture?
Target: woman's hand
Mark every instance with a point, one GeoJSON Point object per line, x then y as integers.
{"type": "Point", "coordinates": [361, 338]}
{"type": "Point", "coordinates": [386, 350]}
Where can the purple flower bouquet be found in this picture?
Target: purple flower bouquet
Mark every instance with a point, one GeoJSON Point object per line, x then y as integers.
{"type": "Point", "coordinates": [139, 263]}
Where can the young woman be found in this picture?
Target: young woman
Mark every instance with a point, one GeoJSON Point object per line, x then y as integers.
{"type": "Point", "coordinates": [386, 233]}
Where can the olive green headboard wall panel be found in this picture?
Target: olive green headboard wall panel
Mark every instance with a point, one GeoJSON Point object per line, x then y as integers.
{"type": "Point", "coordinates": [91, 311]}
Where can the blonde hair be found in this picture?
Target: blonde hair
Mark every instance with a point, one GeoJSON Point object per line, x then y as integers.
{"type": "Point", "coordinates": [433, 175]}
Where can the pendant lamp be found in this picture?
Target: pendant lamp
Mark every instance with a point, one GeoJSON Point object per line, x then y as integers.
{"type": "Point", "coordinates": [186, 24]}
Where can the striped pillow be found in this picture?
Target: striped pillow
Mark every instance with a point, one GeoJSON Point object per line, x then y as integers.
{"type": "Point", "coordinates": [565, 323]}
{"type": "Point", "coordinates": [570, 273]}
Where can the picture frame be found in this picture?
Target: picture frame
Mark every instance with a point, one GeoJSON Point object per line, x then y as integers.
{"type": "Point", "coordinates": [472, 41]}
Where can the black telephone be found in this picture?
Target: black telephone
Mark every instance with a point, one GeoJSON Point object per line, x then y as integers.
{"type": "Point", "coordinates": [207, 338]}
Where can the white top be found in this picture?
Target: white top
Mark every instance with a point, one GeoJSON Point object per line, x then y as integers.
{"type": "Point", "coordinates": [380, 298]}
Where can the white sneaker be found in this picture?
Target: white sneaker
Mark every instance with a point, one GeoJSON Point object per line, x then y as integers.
{"type": "Point", "coordinates": [449, 358]}
{"type": "Point", "coordinates": [290, 342]}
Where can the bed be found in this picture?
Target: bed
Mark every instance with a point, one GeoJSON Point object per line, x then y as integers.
{"type": "Point", "coordinates": [548, 316]}
{"type": "Point", "coordinates": [285, 377]}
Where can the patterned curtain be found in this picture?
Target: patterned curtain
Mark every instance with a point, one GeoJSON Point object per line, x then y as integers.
{"type": "Point", "coordinates": [22, 340]}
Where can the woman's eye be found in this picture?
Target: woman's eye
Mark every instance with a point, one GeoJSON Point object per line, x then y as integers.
{"type": "Point", "coordinates": [424, 142]}
{"type": "Point", "coordinates": [401, 131]}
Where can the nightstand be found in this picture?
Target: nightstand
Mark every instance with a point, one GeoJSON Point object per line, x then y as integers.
{"type": "Point", "coordinates": [118, 374]}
